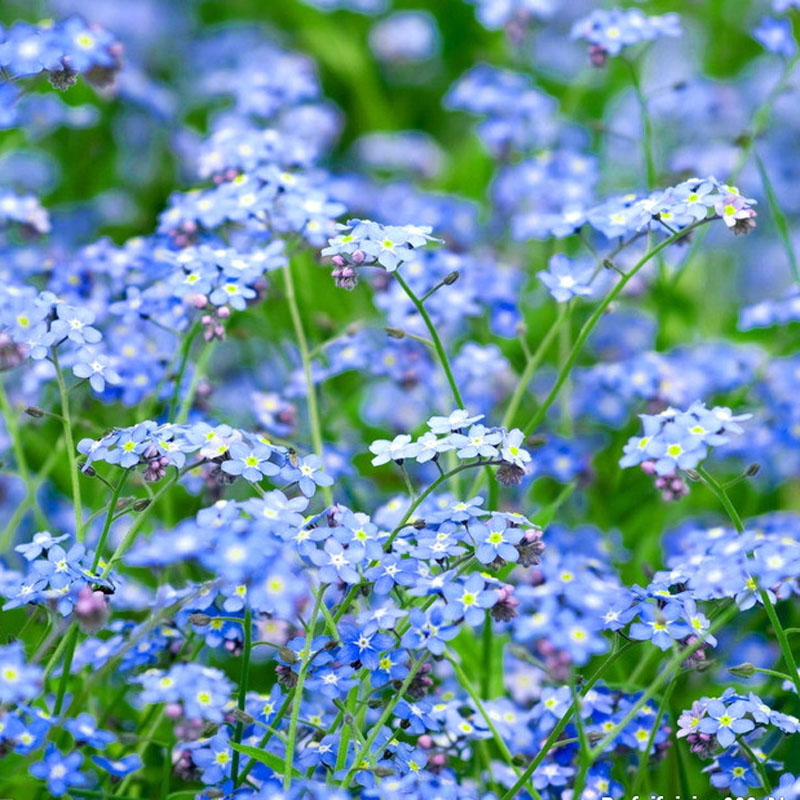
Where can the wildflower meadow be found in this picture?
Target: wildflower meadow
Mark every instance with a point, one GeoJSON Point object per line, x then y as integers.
{"type": "Point", "coordinates": [399, 399]}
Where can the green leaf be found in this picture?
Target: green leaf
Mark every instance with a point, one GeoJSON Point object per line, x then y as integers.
{"type": "Point", "coordinates": [270, 759]}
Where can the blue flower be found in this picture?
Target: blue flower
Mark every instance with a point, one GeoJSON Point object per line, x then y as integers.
{"type": "Point", "coordinates": [363, 645]}
{"type": "Point", "coordinates": [84, 729]}
{"type": "Point", "coordinates": [75, 324]}
{"type": "Point", "coordinates": [429, 630]}
{"type": "Point", "coordinates": [337, 563]}
{"type": "Point", "coordinates": [59, 771]}
{"type": "Point", "coordinates": [97, 368]}
{"type": "Point", "coordinates": [566, 278]}
{"type": "Point", "coordinates": [662, 626]}
{"type": "Point", "coordinates": [496, 539]}
{"type": "Point", "coordinates": [252, 462]}
{"type": "Point", "coordinates": [735, 774]}
{"type": "Point", "coordinates": [119, 767]}
{"type": "Point", "coordinates": [776, 36]}
{"type": "Point", "coordinates": [726, 721]}
{"type": "Point", "coordinates": [469, 599]}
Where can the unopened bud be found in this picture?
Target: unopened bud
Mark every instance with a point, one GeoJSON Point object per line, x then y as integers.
{"type": "Point", "coordinates": [288, 655]}
{"type": "Point", "coordinates": [383, 772]}
{"type": "Point", "coordinates": [395, 333]}
{"type": "Point", "coordinates": [199, 619]}
{"type": "Point", "coordinates": [239, 715]}
{"type": "Point", "coordinates": [752, 470]}
{"type": "Point", "coordinates": [692, 475]}
{"type": "Point", "coordinates": [123, 503]}
{"type": "Point", "coordinates": [33, 411]}
{"type": "Point", "coordinates": [141, 505]}
{"type": "Point", "coordinates": [745, 670]}
{"type": "Point", "coordinates": [418, 524]}
{"type": "Point", "coordinates": [349, 719]}
{"type": "Point", "coordinates": [451, 278]}
{"type": "Point", "coordinates": [89, 472]}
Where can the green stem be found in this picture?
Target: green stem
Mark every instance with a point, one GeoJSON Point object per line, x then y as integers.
{"type": "Point", "coordinates": [769, 607]}
{"type": "Point", "coordinates": [532, 365]}
{"type": "Point", "coordinates": [133, 531]}
{"type": "Point", "coordinates": [759, 765]}
{"type": "Point", "coordinates": [647, 128]}
{"type": "Point", "coordinates": [501, 745]}
{"type": "Point", "coordinates": [550, 742]}
{"type": "Point", "coordinates": [69, 652]}
{"type": "Point", "coordinates": [7, 536]}
{"type": "Point", "coordinates": [432, 488]}
{"type": "Point", "coordinates": [779, 217]}
{"type": "Point", "coordinates": [645, 758]}
{"type": "Point", "coordinates": [387, 712]}
{"type": "Point", "coordinates": [437, 342]}
{"type": "Point", "coordinates": [71, 456]}
{"type": "Point", "coordinates": [112, 504]}
{"type": "Point", "coordinates": [197, 375]}
{"type": "Point", "coordinates": [666, 674]}
{"type": "Point", "coordinates": [244, 679]}
{"type": "Point", "coordinates": [305, 657]}
{"type": "Point", "coordinates": [590, 323]}
{"type": "Point", "coordinates": [186, 349]}
{"type": "Point", "coordinates": [311, 391]}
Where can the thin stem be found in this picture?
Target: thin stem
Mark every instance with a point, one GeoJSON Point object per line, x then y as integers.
{"type": "Point", "coordinates": [550, 742]}
{"type": "Point", "coordinates": [197, 375]}
{"type": "Point", "coordinates": [666, 674]}
{"type": "Point", "coordinates": [432, 488]}
{"type": "Point", "coordinates": [244, 678]}
{"type": "Point", "coordinates": [387, 712]}
{"type": "Point", "coordinates": [759, 765]}
{"type": "Point", "coordinates": [590, 323]}
{"type": "Point", "coordinates": [73, 463]}
{"type": "Point", "coordinates": [112, 504]}
{"type": "Point", "coordinates": [769, 607]}
{"type": "Point", "coordinates": [647, 127]}
{"type": "Point", "coordinates": [133, 531]}
{"type": "Point", "coordinates": [501, 745]}
{"type": "Point", "coordinates": [69, 651]}
{"type": "Point", "coordinates": [186, 349]}
{"type": "Point", "coordinates": [311, 391]}
{"type": "Point", "coordinates": [437, 342]}
{"type": "Point", "coordinates": [305, 658]}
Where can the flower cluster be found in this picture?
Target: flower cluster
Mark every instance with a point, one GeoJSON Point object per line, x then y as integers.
{"type": "Point", "coordinates": [727, 729]}
{"type": "Point", "coordinates": [62, 50]}
{"type": "Point", "coordinates": [609, 31]}
{"type": "Point", "coordinates": [463, 435]}
{"type": "Point", "coordinates": [366, 243]}
{"type": "Point", "coordinates": [679, 440]}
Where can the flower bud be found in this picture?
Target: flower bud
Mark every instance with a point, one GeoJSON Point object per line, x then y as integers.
{"type": "Point", "coordinates": [745, 670]}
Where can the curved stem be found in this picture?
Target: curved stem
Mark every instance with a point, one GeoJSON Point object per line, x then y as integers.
{"type": "Point", "coordinates": [387, 712]}
{"type": "Point", "coordinates": [71, 457]}
{"type": "Point", "coordinates": [305, 658]}
{"type": "Point", "coordinates": [437, 342]}
{"type": "Point", "coordinates": [550, 742]}
{"type": "Point", "coordinates": [199, 371]}
{"type": "Point", "coordinates": [186, 349]}
{"type": "Point", "coordinates": [590, 323]}
{"type": "Point", "coordinates": [647, 127]}
{"type": "Point", "coordinates": [112, 504]}
{"type": "Point", "coordinates": [311, 391]}
{"type": "Point", "coordinates": [432, 488]}
{"type": "Point", "coordinates": [769, 606]}
{"type": "Point", "coordinates": [243, 682]}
